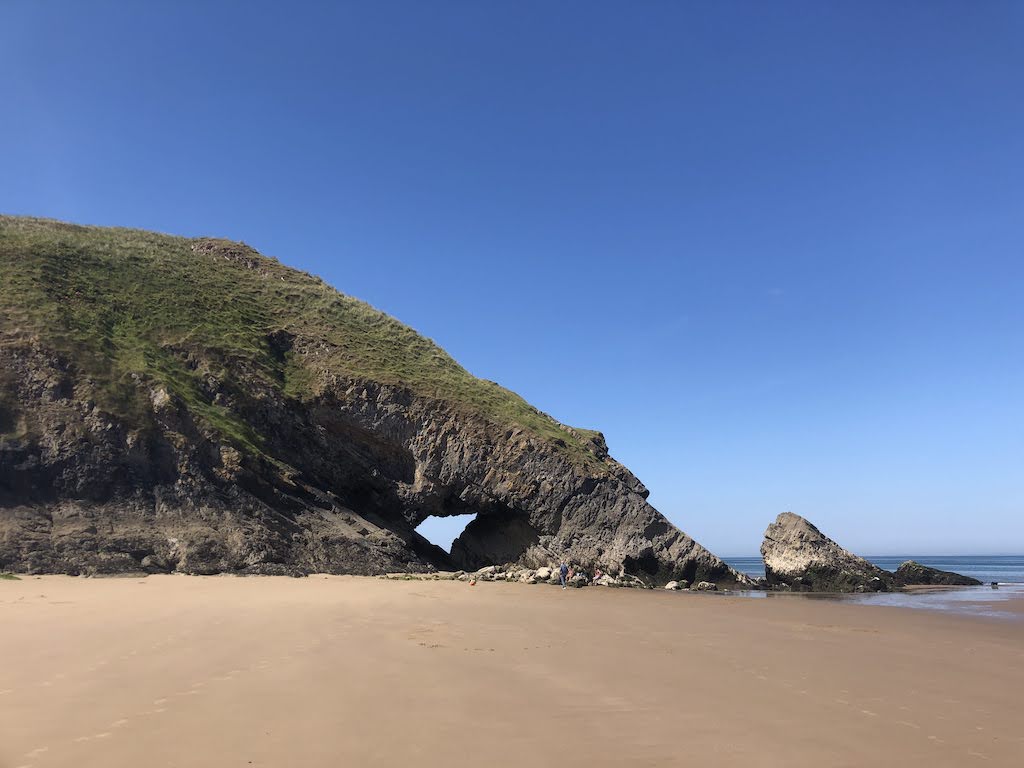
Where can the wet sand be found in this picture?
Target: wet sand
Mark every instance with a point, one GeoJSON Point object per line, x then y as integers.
{"type": "Point", "coordinates": [342, 671]}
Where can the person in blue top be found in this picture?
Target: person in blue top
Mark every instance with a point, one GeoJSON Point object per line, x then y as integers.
{"type": "Point", "coordinates": [563, 574]}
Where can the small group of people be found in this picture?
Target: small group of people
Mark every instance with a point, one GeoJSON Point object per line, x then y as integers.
{"type": "Point", "coordinates": [566, 572]}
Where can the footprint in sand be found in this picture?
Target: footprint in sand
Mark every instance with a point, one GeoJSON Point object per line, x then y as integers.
{"type": "Point", "coordinates": [36, 752]}
{"type": "Point", "coordinates": [119, 723]}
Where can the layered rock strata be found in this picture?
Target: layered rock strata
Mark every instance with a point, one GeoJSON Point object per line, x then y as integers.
{"type": "Point", "coordinates": [268, 424]}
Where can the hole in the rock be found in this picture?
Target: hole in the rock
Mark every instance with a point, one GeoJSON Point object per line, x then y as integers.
{"type": "Point", "coordinates": [442, 531]}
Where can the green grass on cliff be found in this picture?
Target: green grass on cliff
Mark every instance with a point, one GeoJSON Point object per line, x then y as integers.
{"type": "Point", "coordinates": [124, 303]}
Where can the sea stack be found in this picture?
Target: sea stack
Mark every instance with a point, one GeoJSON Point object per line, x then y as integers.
{"type": "Point", "coordinates": [800, 557]}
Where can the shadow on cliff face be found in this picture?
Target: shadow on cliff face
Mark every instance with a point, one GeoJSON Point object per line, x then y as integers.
{"type": "Point", "coordinates": [485, 539]}
{"type": "Point", "coordinates": [494, 539]}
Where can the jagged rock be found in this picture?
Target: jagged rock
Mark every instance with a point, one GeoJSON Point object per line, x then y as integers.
{"type": "Point", "coordinates": [913, 573]}
{"type": "Point", "coordinates": [154, 564]}
{"type": "Point", "coordinates": [543, 574]}
{"type": "Point", "coordinates": [633, 582]}
{"type": "Point", "coordinates": [578, 580]}
{"type": "Point", "coordinates": [315, 435]}
{"type": "Point", "coordinates": [705, 586]}
{"type": "Point", "coordinates": [799, 556]}
{"type": "Point", "coordinates": [673, 585]}
{"type": "Point", "coordinates": [526, 575]}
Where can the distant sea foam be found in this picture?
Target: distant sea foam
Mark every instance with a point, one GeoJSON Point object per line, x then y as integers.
{"type": "Point", "coordinates": [1006, 569]}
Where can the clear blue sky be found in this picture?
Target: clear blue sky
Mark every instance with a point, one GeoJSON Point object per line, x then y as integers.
{"type": "Point", "coordinates": [772, 250]}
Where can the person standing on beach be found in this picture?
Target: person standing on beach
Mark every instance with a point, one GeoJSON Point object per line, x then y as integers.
{"type": "Point", "coordinates": [563, 573]}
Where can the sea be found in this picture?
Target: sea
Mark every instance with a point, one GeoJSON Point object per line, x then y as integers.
{"type": "Point", "coordinates": [1007, 571]}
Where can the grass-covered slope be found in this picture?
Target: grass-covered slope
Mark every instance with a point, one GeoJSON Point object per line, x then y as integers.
{"type": "Point", "coordinates": [124, 305]}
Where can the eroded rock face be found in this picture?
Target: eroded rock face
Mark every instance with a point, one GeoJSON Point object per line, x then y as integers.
{"type": "Point", "coordinates": [912, 573]}
{"type": "Point", "coordinates": [192, 405]}
{"type": "Point", "coordinates": [81, 492]}
{"type": "Point", "coordinates": [799, 556]}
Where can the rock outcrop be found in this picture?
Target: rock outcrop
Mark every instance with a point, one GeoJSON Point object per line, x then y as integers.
{"type": "Point", "coordinates": [912, 573]}
{"type": "Point", "coordinates": [798, 556]}
{"type": "Point", "coordinates": [183, 405]}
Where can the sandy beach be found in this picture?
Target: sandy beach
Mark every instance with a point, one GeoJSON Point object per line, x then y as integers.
{"type": "Point", "coordinates": [345, 671]}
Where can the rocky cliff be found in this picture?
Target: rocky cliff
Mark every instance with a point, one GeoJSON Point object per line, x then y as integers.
{"type": "Point", "coordinates": [174, 404]}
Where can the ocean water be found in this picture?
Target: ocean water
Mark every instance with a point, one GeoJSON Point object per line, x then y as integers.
{"type": "Point", "coordinates": [1007, 570]}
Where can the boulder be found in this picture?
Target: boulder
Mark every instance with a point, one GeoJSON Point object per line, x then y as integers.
{"type": "Point", "coordinates": [913, 573]}
{"type": "Point", "coordinates": [798, 556]}
{"type": "Point", "coordinates": [672, 585]}
{"type": "Point", "coordinates": [633, 582]}
{"type": "Point", "coordinates": [155, 564]}
{"type": "Point", "coordinates": [543, 574]}
{"type": "Point", "coordinates": [706, 586]}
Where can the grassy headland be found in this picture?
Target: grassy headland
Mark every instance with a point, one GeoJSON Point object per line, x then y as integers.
{"type": "Point", "coordinates": [125, 305]}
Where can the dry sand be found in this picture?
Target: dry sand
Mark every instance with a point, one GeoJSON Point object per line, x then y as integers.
{"type": "Point", "coordinates": [340, 671]}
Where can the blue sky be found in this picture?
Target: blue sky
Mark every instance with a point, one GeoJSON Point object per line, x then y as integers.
{"type": "Point", "coordinates": [772, 250]}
